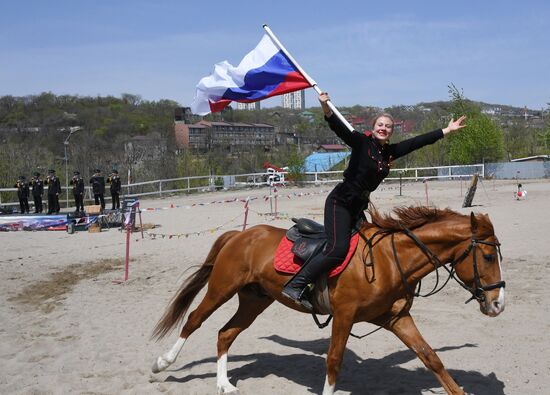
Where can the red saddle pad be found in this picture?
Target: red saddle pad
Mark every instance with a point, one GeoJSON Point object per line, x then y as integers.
{"type": "Point", "coordinates": [285, 261]}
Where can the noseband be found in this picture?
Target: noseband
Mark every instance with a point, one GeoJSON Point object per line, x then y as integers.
{"type": "Point", "coordinates": [478, 292]}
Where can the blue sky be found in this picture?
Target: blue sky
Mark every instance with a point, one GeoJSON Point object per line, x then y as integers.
{"type": "Point", "coordinates": [361, 52]}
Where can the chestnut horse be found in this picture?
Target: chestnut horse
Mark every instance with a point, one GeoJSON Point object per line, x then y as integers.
{"type": "Point", "coordinates": [377, 286]}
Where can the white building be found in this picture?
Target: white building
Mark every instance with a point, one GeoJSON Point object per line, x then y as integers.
{"type": "Point", "coordinates": [248, 106]}
{"type": "Point", "coordinates": [295, 100]}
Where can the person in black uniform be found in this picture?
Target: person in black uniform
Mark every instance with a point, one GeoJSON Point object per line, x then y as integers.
{"type": "Point", "coordinates": [114, 181]}
{"type": "Point", "coordinates": [78, 191]}
{"type": "Point", "coordinates": [23, 194]}
{"type": "Point", "coordinates": [369, 164]}
{"type": "Point", "coordinates": [98, 188]}
{"type": "Point", "coordinates": [54, 189]}
{"type": "Point", "coordinates": [37, 186]}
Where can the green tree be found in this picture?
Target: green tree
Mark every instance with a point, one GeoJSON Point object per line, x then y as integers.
{"type": "Point", "coordinates": [481, 140]}
{"type": "Point", "coordinates": [296, 166]}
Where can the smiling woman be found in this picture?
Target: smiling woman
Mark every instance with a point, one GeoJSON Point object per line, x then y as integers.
{"type": "Point", "coordinates": [369, 164]}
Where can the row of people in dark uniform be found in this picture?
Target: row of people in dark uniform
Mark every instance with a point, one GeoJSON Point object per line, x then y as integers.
{"type": "Point", "coordinates": [98, 188]}
{"type": "Point", "coordinates": [36, 187]}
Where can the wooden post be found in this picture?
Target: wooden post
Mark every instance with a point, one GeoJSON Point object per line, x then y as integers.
{"type": "Point", "coordinates": [245, 213]}
{"type": "Point", "coordinates": [275, 190]}
{"type": "Point", "coordinates": [127, 262]}
{"type": "Point", "coordinates": [426, 190]}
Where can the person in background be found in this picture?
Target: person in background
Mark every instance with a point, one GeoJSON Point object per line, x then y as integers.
{"type": "Point", "coordinates": [98, 188]}
{"type": "Point", "coordinates": [521, 193]}
{"type": "Point", "coordinates": [37, 187]}
{"type": "Point", "coordinates": [116, 186]}
{"type": "Point", "coordinates": [54, 189]}
{"type": "Point", "coordinates": [23, 194]}
{"type": "Point", "coordinates": [78, 191]}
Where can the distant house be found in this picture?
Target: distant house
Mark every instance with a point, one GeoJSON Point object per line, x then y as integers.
{"type": "Point", "coordinates": [405, 127]}
{"type": "Point", "coordinates": [358, 123]}
{"type": "Point", "coordinates": [230, 136]}
{"type": "Point", "coordinates": [324, 161]}
{"type": "Point", "coordinates": [332, 148]}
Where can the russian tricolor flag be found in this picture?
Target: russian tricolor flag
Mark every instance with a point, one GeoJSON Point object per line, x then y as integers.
{"type": "Point", "coordinates": [264, 72]}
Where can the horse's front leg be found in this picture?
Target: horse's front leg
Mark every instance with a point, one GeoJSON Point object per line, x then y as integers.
{"type": "Point", "coordinates": [341, 328]}
{"type": "Point", "coordinates": [405, 329]}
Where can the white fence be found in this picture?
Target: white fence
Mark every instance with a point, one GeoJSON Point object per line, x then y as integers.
{"type": "Point", "coordinates": [212, 183]}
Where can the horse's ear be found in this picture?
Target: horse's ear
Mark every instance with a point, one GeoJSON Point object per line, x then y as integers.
{"type": "Point", "coordinates": [473, 222]}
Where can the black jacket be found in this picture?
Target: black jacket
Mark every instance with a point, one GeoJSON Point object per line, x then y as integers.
{"type": "Point", "coordinates": [370, 161]}
{"type": "Point", "coordinates": [37, 186]}
{"type": "Point", "coordinates": [22, 189]}
{"type": "Point", "coordinates": [98, 185]}
{"type": "Point", "coordinates": [116, 185]}
{"type": "Point", "coordinates": [78, 186]}
{"type": "Point", "coordinates": [54, 186]}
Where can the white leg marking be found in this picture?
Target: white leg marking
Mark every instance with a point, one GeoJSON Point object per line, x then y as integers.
{"type": "Point", "coordinates": [223, 384]}
{"type": "Point", "coordinates": [168, 359]}
{"type": "Point", "coordinates": [328, 389]}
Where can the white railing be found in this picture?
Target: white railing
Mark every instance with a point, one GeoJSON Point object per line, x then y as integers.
{"type": "Point", "coordinates": [212, 183]}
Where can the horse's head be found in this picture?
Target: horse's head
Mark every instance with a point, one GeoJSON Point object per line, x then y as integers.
{"type": "Point", "coordinates": [478, 267]}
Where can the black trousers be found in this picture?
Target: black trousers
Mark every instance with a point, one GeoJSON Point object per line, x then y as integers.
{"type": "Point", "coordinates": [53, 204]}
{"type": "Point", "coordinates": [24, 205]}
{"type": "Point", "coordinates": [37, 203]}
{"type": "Point", "coordinates": [99, 198]}
{"type": "Point", "coordinates": [115, 196]}
{"type": "Point", "coordinates": [79, 202]}
{"type": "Point", "coordinates": [341, 214]}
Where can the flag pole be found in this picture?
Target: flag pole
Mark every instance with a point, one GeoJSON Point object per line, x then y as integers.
{"type": "Point", "coordinates": [306, 76]}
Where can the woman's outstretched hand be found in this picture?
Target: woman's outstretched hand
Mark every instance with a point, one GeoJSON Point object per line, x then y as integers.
{"type": "Point", "coordinates": [454, 125]}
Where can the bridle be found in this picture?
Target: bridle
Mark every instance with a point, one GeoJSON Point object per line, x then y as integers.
{"type": "Point", "coordinates": [478, 290]}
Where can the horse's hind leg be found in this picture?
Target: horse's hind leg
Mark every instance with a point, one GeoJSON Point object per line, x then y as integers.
{"type": "Point", "coordinates": [251, 304]}
{"type": "Point", "coordinates": [405, 329]}
{"type": "Point", "coordinates": [219, 292]}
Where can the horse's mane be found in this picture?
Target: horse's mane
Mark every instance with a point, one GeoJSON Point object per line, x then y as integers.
{"type": "Point", "coordinates": [410, 217]}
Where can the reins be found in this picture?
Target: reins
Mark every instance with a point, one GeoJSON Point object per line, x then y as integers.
{"type": "Point", "coordinates": [477, 292]}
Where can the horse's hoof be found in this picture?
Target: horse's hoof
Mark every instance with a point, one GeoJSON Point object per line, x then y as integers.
{"type": "Point", "coordinates": [230, 389]}
{"type": "Point", "coordinates": [159, 365]}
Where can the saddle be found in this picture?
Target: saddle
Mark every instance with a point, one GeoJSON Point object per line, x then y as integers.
{"type": "Point", "coordinates": [309, 237]}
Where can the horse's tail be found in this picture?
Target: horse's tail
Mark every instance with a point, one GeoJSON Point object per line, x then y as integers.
{"type": "Point", "coordinates": [189, 290]}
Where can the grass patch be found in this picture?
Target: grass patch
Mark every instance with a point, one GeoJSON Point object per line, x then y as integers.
{"type": "Point", "coordinates": [47, 293]}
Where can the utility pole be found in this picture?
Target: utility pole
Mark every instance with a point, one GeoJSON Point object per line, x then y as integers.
{"type": "Point", "coordinates": [72, 130]}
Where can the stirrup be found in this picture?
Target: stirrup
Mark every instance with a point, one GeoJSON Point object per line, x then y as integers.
{"type": "Point", "coordinates": [301, 298]}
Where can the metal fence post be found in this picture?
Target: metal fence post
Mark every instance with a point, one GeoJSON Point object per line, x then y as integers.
{"type": "Point", "coordinates": [160, 188]}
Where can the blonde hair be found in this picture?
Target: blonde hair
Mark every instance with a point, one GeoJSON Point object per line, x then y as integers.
{"type": "Point", "coordinates": [380, 115]}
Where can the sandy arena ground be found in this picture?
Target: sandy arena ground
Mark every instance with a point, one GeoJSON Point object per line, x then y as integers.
{"type": "Point", "coordinates": [67, 328]}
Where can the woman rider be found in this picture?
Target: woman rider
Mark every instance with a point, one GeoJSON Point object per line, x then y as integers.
{"type": "Point", "coordinates": [370, 161]}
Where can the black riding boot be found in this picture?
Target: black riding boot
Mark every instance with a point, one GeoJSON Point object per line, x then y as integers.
{"type": "Point", "coordinates": [298, 287]}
